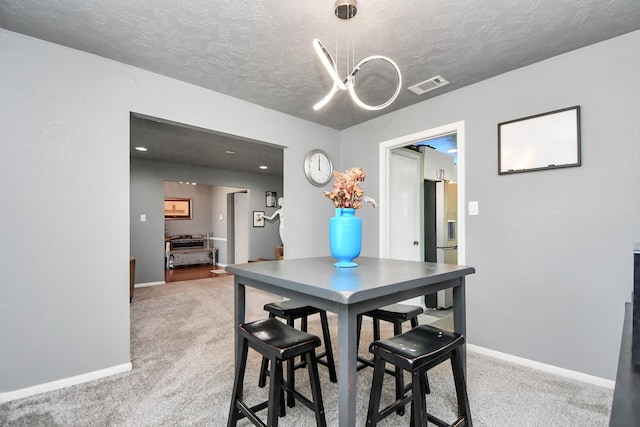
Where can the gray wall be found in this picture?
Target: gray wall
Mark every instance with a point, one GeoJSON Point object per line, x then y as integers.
{"type": "Point", "coordinates": [201, 208]}
{"type": "Point", "coordinates": [147, 195]}
{"type": "Point", "coordinates": [552, 249]}
{"type": "Point", "coordinates": [65, 163]}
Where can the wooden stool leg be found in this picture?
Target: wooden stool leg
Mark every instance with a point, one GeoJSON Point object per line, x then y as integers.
{"type": "Point", "coordinates": [316, 395]}
{"type": "Point", "coordinates": [397, 330]}
{"type": "Point", "coordinates": [373, 414]}
{"type": "Point", "coordinates": [376, 329]}
{"type": "Point", "coordinates": [275, 393]}
{"type": "Point", "coordinates": [418, 403]}
{"type": "Point", "coordinates": [304, 326]}
{"type": "Point", "coordinates": [262, 379]}
{"type": "Point", "coordinates": [291, 371]}
{"type": "Point", "coordinates": [237, 395]}
{"type": "Point", "coordinates": [326, 339]}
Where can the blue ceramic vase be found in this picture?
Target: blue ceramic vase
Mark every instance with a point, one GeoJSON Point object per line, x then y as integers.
{"type": "Point", "coordinates": [345, 237]}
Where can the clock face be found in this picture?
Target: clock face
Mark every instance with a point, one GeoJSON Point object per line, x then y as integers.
{"type": "Point", "coordinates": [318, 168]}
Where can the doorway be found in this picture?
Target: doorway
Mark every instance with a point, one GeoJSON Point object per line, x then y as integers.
{"type": "Point", "coordinates": [238, 228]}
{"type": "Point", "coordinates": [182, 152]}
{"type": "Point", "coordinates": [387, 238]}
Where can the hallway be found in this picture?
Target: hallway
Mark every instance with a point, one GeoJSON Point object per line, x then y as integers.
{"type": "Point", "coordinates": [181, 274]}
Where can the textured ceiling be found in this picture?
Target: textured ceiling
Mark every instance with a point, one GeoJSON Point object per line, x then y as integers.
{"type": "Point", "coordinates": [178, 143]}
{"type": "Point", "coordinates": [260, 50]}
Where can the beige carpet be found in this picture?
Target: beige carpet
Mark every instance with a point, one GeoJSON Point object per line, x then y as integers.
{"type": "Point", "coordinates": [182, 355]}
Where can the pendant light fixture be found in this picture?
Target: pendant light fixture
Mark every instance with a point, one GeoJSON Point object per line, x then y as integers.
{"type": "Point", "coordinates": [347, 9]}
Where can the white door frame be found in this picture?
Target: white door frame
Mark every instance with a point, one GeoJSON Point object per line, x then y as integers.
{"type": "Point", "coordinates": [383, 195]}
{"type": "Point", "coordinates": [241, 230]}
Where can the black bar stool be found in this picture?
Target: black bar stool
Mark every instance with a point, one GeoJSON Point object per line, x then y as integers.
{"type": "Point", "coordinates": [396, 314]}
{"type": "Point", "coordinates": [277, 342]}
{"type": "Point", "coordinates": [291, 310]}
{"type": "Point", "coordinates": [417, 351]}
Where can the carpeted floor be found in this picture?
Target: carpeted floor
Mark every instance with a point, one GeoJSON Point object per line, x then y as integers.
{"type": "Point", "coordinates": [182, 356]}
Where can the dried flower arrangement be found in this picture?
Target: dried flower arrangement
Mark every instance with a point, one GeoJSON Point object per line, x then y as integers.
{"type": "Point", "coordinates": [346, 189]}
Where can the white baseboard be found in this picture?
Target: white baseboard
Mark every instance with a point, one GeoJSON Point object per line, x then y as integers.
{"type": "Point", "coordinates": [144, 285]}
{"type": "Point", "coordinates": [65, 382]}
{"type": "Point", "coordinates": [544, 367]}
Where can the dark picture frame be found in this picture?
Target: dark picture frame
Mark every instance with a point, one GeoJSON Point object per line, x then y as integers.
{"type": "Point", "coordinates": [544, 141]}
{"type": "Point", "coordinates": [177, 208]}
{"type": "Point", "coordinates": [270, 199]}
{"type": "Point", "coordinates": [258, 218]}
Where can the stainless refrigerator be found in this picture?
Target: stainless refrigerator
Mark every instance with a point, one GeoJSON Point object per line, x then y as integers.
{"type": "Point", "coordinates": [441, 232]}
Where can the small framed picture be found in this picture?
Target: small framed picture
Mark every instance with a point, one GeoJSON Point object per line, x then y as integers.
{"type": "Point", "coordinates": [258, 218]}
{"type": "Point", "coordinates": [177, 208]}
{"type": "Point", "coordinates": [271, 199]}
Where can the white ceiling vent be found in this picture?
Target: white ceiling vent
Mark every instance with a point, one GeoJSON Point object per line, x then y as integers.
{"type": "Point", "coordinates": [428, 85]}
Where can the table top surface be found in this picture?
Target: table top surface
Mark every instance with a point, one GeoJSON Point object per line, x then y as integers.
{"type": "Point", "coordinates": [373, 277]}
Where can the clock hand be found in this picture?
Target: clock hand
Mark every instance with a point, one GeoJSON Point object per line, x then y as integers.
{"type": "Point", "coordinates": [318, 163]}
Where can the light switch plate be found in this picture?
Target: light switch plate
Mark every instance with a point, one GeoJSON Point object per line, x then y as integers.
{"type": "Point", "coordinates": [143, 218]}
{"type": "Point", "coordinates": [473, 208]}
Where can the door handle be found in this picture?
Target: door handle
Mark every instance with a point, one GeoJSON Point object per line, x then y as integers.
{"type": "Point", "coordinates": [415, 242]}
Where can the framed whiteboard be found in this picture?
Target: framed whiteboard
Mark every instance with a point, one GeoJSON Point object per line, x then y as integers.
{"type": "Point", "coordinates": [544, 141]}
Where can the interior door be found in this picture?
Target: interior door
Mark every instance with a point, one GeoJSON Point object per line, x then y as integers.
{"type": "Point", "coordinates": [241, 227]}
{"type": "Point", "coordinates": [405, 223]}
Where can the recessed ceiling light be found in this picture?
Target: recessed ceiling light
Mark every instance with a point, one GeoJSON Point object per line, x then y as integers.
{"type": "Point", "coordinates": [141, 148]}
{"type": "Point", "coordinates": [230, 152]}
{"type": "Point", "coordinates": [263, 167]}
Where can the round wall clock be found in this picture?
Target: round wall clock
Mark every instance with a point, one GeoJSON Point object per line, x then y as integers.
{"type": "Point", "coordinates": [318, 168]}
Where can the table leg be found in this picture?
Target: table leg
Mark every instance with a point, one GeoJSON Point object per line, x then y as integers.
{"type": "Point", "coordinates": [460, 318]}
{"type": "Point", "coordinates": [239, 295]}
{"type": "Point", "coordinates": [347, 353]}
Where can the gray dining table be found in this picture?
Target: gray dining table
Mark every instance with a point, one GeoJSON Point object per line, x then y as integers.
{"type": "Point", "coordinates": [374, 283]}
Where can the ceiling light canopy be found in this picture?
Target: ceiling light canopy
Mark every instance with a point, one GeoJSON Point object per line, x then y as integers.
{"type": "Point", "coordinates": [347, 9]}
